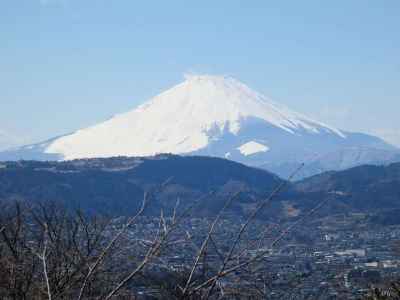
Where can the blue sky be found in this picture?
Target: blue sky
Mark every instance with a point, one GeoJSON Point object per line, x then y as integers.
{"type": "Point", "coordinates": [67, 64]}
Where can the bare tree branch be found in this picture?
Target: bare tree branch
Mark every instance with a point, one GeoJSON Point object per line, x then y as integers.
{"type": "Point", "coordinates": [154, 250]}
{"type": "Point", "coordinates": [103, 254]}
{"type": "Point", "coordinates": [43, 258]}
{"type": "Point", "coordinates": [205, 242]}
{"type": "Point", "coordinates": [257, 257]}
{"type": "Point", "coordinates": [250, 219]}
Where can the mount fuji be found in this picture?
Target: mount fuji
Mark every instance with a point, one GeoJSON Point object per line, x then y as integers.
{"type": "Point", "coordinates": [217, 116]}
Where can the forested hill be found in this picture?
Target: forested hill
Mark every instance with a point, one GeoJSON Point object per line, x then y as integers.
{"type": "Point", "coordinates": [116, 185]}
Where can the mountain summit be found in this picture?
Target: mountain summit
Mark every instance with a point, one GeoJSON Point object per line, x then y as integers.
{"type": "Point", "coordinates": [208, 115]}
{"type": "Point", "coordinates": [183, 119]}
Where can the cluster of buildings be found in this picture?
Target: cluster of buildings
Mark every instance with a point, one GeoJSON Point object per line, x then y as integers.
{"type": "Point", "coordinates": [336, 257]}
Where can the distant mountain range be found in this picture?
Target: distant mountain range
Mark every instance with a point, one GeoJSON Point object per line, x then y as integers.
{"type": "Point", "coordinates": [364, 188]}
{"type": "Point", "coordinates": [116, 186]}
{"type": "Point", "coordinates": [221, 117]}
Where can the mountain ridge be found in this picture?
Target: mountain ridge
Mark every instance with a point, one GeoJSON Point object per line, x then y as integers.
{"type": "Point", "coordinates": [213, 116]}
{"type": "Point", "coordinates": [182, 120]}
{"type": "Point", "coordinates": [116, 186]}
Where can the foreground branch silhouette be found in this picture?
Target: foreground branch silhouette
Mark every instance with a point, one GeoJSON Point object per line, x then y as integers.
{"type": "Point", "coordinates": [50, 252]}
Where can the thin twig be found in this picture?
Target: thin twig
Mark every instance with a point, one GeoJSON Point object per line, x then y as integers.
{"type": "Point", "coordinates": [42, 257]}
{"type": "Point", "coordinates": [262, 253]}
{"type": "Point", "coordinates": [153, 251]}
{"type": "Point", "coordinates": [291, 227]}
{"type": "Point", "coordinates": [205, 242]}
{"type": "Point", "coordinates": [103, 254]}
{"type": "Point", "coordinates": [250, 219]}
{"type": "Point", "coordinates": [175, 209]}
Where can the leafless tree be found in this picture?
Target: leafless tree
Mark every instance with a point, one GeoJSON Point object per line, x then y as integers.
{"type": "Point", "coordinates": [49, 252]}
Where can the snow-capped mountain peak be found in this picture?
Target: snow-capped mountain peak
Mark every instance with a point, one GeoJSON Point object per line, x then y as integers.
{"type": "Point", "coordinates": [183, 119]}
{"type": "Point", "coordinates": [214, 116]}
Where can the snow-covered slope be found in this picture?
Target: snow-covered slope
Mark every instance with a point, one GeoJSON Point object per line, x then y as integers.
{"type": "Point", "coordinates": [252, 148]}
{"type": "Point", "coordinates": [184, 119]}
{"type": "Point", "coordinates": [208, 115]}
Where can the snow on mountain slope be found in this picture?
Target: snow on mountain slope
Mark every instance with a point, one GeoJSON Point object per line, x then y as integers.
{"type": "Point", "coordinates": [217, 116]}
{"type": "Point", "coordinates": [183, 119]}
{"type": "Point", "coordinates": [252, 147]}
